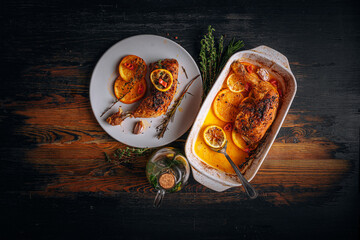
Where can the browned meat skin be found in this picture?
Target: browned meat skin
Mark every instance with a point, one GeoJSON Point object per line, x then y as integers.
{"type": "Point", "coordinates": [258, 111]}
{"type": "Point", "coordinates": [157, 103]}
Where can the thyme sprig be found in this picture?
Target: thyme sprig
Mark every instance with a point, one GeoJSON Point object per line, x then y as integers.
{"type": "Point", "coordinates": [207, 63]}
{"type": "Point", "coordinates": [120, 158]}
{"type": "Point", "coordinates": [213, 60]}
{"type": "Point", "coordinates": [128, 152]}
{"type": "Point", "coordinates": [171, 113]}
{"type": "Point", "coordinates": [127, 156]}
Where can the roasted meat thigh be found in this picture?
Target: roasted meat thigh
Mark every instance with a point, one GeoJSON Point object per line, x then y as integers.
{"type": "Point", "coordinates": [258, 111]}
{"type": "Point", "coordinates": [157, 103]}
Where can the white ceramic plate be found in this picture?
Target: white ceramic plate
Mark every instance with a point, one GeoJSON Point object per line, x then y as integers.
{"type": "Point", "coordinates": [151, 48]}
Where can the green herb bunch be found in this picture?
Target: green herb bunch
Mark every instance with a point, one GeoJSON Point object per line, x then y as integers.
{"type": "Point", "coordinates": [212, 59]}
{"type": "Point", "coordinates": [125, 157]}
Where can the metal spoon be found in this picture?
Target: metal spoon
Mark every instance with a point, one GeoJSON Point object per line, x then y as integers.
{"type": "Point", "coordinates": [250, 190]}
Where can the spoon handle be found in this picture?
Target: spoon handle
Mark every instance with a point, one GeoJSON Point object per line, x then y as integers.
{"type": "Point", "coordinates": [250, 190]}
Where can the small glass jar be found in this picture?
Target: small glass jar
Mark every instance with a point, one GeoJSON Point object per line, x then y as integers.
{"type": "Point", "coordinates": [167, 171]}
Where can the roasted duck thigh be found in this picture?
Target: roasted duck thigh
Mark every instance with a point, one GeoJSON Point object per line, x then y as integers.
{"type": "Point", "coordinates": [157, 103]}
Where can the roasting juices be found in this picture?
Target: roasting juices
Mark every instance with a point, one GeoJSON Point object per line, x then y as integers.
{"type": "Point", "coordinates": [234, 96]}
{"type": "Point", "coordinates": [214, 159]}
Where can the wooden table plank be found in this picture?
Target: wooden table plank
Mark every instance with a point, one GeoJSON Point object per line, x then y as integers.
{"type": "Point", "coordinates": [53, 171]}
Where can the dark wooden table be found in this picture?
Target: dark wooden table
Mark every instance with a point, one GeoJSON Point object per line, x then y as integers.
{"type": "Point", "coordinates": [51, 143]}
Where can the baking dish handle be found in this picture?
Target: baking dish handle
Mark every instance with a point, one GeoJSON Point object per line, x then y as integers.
{"type": "Point", "coordinates": [273, 55]}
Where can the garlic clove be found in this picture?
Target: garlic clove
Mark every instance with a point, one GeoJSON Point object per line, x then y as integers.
{"type": "Point", "coordinates": [139, 127]}
{"type": "Point", "coordinates": [263, 74]}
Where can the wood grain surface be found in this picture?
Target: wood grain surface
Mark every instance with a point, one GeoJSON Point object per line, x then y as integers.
{"type": "Point", "coordinates": [56, 184]}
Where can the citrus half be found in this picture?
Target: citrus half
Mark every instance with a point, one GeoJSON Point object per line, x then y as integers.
{"type": "Point", "coordinates": [162, 79]}
{"type": "Point", "coordinates": [132, 66]}
{"type": "Point", "coordinates": [239, 141]}
{"type": "Point", "coordinates": [129, 92]}
{"type": "Point", "coordinates": [226, 105]}
{"type": "Point", "coordinates": [214, 136]}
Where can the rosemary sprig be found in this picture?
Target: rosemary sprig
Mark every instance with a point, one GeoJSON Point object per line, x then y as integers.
{"type": "Point", "coordinates": [220, 53]}
{"type": "Point", "coordinates": [185, 72]}
{"type": "Point", "coordinates": [108, 108]}
{"type": "Point", "coordinates": [132, 83]}
{"type": "Point", "coordinates": [232, 48]}
{"type": "Point", "coordinates": [171, 113]}
{"type": "Point", "coordinates": [213, 60]}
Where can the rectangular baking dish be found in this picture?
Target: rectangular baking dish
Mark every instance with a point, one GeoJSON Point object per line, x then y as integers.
{"type": "Point", "coordinates": [278, 65]}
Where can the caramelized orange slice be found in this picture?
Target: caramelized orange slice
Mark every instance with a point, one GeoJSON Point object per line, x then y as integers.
{"type": "Point", "coordinates": [226, 105]}
{"type": "Point", "coordinates": [132, 66]}
{"type": "Point", "coordinates": [239, 141]}
{"type": "Point", "coordinates": [129, 93]}
{"type": "Point", "coordinates": [235, 83]}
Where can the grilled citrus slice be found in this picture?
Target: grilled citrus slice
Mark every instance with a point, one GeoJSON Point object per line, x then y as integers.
{"type": "Point", "coordinates": [235, 83]}
{"type": "Point", "coordinates": [162, 79]}
{"type": "Point", "coordinates": [226, 105]}
{"type": "Point", "coordinates": [132, 66]}
{"type": "Point", "coordinates": [129, 92]}
{"type": "Point", "coordinates": [239, 141]}
{"type": "Point", "coordinates": [214, 136]}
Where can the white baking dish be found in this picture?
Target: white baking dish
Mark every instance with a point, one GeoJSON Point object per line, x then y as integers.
{"type": "Point", "coordinates": [278, 65]}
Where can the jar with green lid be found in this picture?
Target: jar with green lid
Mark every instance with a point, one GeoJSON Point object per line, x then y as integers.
{"type": "Point", "coordinates": [167, 171]}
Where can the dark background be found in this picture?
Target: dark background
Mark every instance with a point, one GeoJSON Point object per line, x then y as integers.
{"type": "Point", "coordinates": [321, 41]}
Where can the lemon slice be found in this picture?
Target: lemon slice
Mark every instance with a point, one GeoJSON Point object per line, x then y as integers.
{"type": "Point", "coordinates": [214, 136]}
{"type": "Point", "coordinates": [181, 159]}
{"type": "Point", "coordinates": [235, 83]}
{"type": "Point", "coordinates": [239, 141]}
{"type": "Point", "coordinates": [162, 79]}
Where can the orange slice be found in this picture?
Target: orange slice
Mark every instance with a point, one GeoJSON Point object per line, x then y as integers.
{"type": "Point", "coordinates": [129, 94]}
{"type": "Point", "coordinates": [214, 136]}
{"type": "Point", "coordinates": [132, 66]}
{"type": "Point", "coordinates": [162, 79]}
{"type": "Point", "coordinates": [239, 141]}
{"type": "Point", "coordinates": [226, 105]}
{"type": "Point", "coordinates": [235, 83]}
